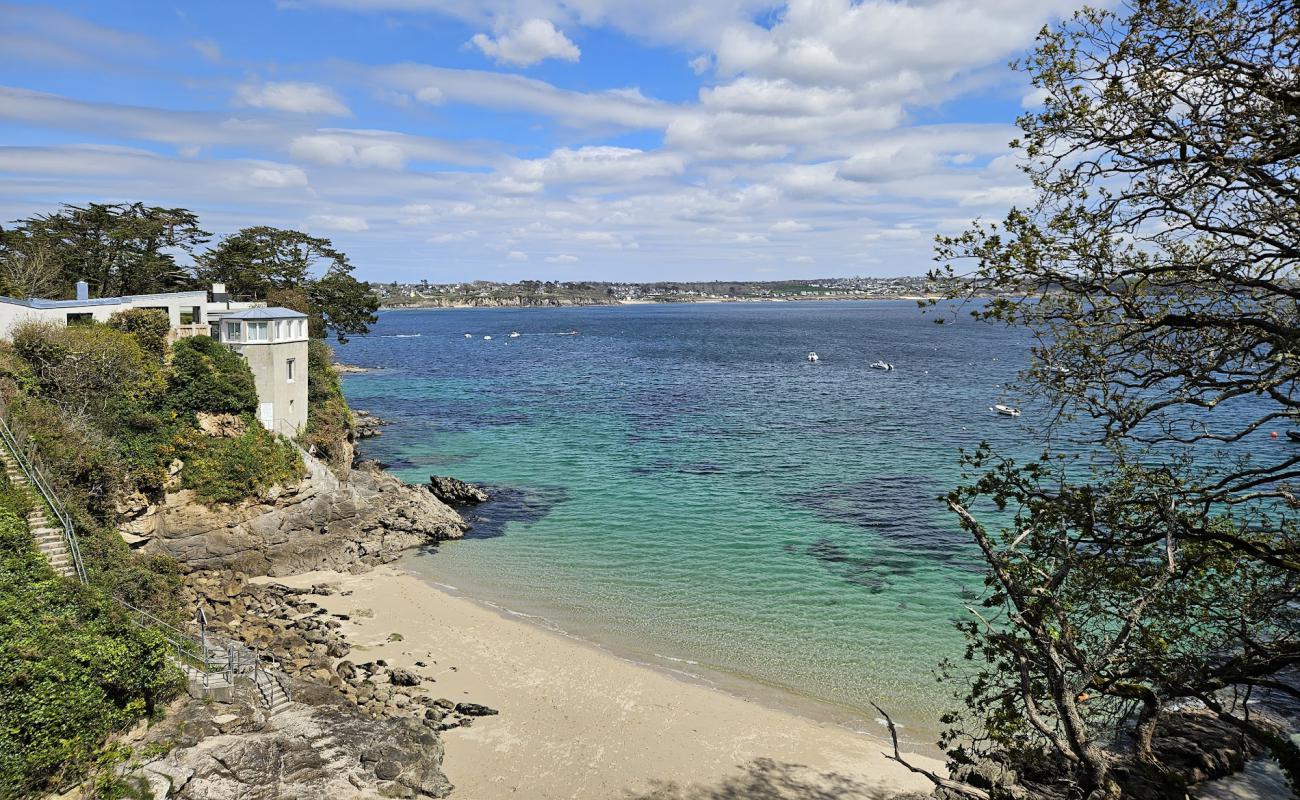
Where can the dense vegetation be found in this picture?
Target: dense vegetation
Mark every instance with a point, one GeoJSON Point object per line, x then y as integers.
{"type": "Point", "coordinates": [73, 666]}
{"type": "Point", "coordinates": [329, 420]}
{"type": "Point", "coordinates": [131, 248]}
{"type": "Point", "coordinates": [1157, 269]}
{"type": "Point", "coordinates": [110, 412]}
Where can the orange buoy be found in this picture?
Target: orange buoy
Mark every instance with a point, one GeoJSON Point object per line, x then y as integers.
{"type": "Point", "coordinates": [1274, 434]}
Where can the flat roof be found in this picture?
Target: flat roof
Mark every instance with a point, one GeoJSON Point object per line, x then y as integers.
{"type": "Point", "coordinates": [274, 312]}
{"type": "Point", "coordinates": [36, 302]}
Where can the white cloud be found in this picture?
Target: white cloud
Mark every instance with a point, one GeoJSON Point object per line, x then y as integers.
{"type": "Point", "coordinates": [429, 95]}
{"type": "Point", "coordinates": [622, 165]}
{"type": "Point", "coordinates": [516, 255]}
{"type": "Point", "coordinates": [790, 226]}
{"type": "Point", "coordinates": [338, 222]}
{"type": "Point", "coordinates": [528, 43]}
{"type": "Point", "coordinates": [208, 49]}
{"type": "Point", "coordinates": [292, 96]}
{"type": "Point", "coordinates": [562, 258]}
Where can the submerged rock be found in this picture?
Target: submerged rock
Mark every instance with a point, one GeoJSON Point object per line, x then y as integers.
{"type": "Point", "coordinates": [455, 492]}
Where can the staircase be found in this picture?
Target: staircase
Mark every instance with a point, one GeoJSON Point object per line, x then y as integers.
{"type": "Point", "coordinates": [212, 666]}
{"type": "Point", "coordinates": [271, 692]}
{"type": "Point", "coordinates": [48, 522]}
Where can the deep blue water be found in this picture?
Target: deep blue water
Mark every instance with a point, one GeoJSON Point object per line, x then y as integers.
{"type": "Point", "coordinates": [679, 483]}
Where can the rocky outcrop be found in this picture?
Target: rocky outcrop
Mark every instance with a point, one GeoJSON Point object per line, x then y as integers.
{"type": "Point", "coordinates": [366, 425]}
{"type": "Point", "coordinates": [231, 750]}
{"type": "Point", "coordinates": [322, 522]}
{"type": "Point", "coordinates": [456, 492]}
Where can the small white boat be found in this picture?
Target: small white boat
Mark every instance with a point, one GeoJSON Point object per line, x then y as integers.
{"type": "Point", "coordinates": [1006, 411]}
{"type": "Point", "coordinates": [883, 365]}
{"type": "Point", "coordinates": [487, 338]}
{"type": "Point", "coordinates": [812, 357]}
{"type": "Point", "coordinates": [469, 336]}
{"type": "Point", "coordinates": [515, 334]}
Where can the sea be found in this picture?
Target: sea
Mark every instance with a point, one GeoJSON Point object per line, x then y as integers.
{"type": "Point", "coordinates": [679, 484]}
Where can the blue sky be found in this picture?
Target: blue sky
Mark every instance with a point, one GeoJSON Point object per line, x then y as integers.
{"type": "Point", "coordinates": [502, 139]}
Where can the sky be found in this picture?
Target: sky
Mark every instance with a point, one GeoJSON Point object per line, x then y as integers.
{"type": "Point", "coordinates": [451, 140]}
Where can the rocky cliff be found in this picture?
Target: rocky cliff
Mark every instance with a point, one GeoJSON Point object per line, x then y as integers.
{"type": "Point", "coordinates": [318, 748]}
{"type": "Point", "coordinates": [322, 522]}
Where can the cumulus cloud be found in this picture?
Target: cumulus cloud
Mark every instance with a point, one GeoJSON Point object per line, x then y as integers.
{"type": "Point", "coordinates": [516, 255]}
{"type": "Point", "coordinates": [292, 96]}
{"type": "Point", "coordinates": [527, 43]}
{"type": "Point", "coordinates": [562, 258]}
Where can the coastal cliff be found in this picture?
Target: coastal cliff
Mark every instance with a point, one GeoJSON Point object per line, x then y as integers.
{"type": "Point", "coordinates": [321, 522]}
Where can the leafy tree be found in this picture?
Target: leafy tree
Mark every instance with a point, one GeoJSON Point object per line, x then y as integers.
{"type": "Point", "coordinates": [1156, 268]}
{"type": "Point", "coordinates": [28, 269]}
{"type": "Point", "coordinates": [118, 248]}
{"type": "Point", "coordinates": [264, 261]}
{"type": "Point", "coordinates": [206, 376]}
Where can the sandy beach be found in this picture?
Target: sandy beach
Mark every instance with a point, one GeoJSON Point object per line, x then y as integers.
{"type": "Point", "coordinates": [578, 722]}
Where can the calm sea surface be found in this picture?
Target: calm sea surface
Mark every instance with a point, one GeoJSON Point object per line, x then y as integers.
{"type": "Point", "coordinates": [678, 483]}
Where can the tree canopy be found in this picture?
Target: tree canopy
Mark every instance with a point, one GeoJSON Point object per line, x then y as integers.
{"type": "Point", "coordinates": [1156, 268]}
{"type": "Point", "coordinates": [131, 248]}
{"type": "Point", "coordinates": [304, 272]}
{"type": "Point", "coordinates": [118, 248]}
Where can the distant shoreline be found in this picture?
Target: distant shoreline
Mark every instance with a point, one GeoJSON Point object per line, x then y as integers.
{"type": "Point", "coordinates": [682, 301]}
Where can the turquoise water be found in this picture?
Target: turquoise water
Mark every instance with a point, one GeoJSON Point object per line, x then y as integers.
{"type": "Point", "coordinates": [679, 483]}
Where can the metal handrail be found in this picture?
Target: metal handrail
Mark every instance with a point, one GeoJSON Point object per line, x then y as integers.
{"type": "Point", "coordinates": [37, 479]}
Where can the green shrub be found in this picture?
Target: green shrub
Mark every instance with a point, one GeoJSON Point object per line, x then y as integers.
{"type": "Point", "coordinates": [73, 667]}
{"type": "Point", "coordinates": [207, 376]}
{"type": "Point", "coordinates": [91, 369]}
{"type": "Point", "coordinates": [149, 326]}
{"type": "Point", "coordinates": [224, 470]}
{"type": "Point", "coordinates": [329, 420]}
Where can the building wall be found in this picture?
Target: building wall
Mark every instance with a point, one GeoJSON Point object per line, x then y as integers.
{"type": "Point", "coordinates": [288, 400]}
{"type": "Point", "coordinates": [14, 314]}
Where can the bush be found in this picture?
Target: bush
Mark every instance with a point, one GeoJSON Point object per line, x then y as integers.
{"type": "Point", "coordinates": [149, 326]}
{"type": "Point", "coordinates": [329, 420]}
{"type": "Point", "coordinates": [207, 376]}
{"type": "Point", "coordinates": [224, 470]}
{"type": "Point", "coordinates": [73, 667]}
{"type": "Point", "coordinates": [91, 369]}
{"type": "Point", "coordinates": [77, 456]}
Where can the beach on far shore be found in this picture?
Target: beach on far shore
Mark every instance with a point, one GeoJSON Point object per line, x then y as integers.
{"type": "Point", "coordinates": [578, 722]}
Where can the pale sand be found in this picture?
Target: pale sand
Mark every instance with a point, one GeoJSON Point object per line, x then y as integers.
{"type": "Point", "coordinates": [579, 722]}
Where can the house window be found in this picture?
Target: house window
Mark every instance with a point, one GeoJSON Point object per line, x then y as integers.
{"type": "Point", "coordinates": [279, 329]}
{"type": "Point", "coordinates": [257, 332]}
{"type": "Point", "coordinates": [288, 369]}
{"type": "Point", "coordinates": [191, 315]}
{"type": "Point", "coordinates": [232, 331]}
{"type": "Point", "coordinates": [298, 327]}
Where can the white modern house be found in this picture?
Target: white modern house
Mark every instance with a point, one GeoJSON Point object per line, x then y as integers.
{"type": "Point", "coordinates": [272, 340]}
{"type": "Point", "coordinates": [274, 343]}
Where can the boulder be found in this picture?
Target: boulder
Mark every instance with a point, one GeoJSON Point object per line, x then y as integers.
{"type": "Point", "coordinates": [456, 492]}
{"type": "Point", "coordinates": [474, 710]}
{"type": "Point", "coordinates": [400, 676]}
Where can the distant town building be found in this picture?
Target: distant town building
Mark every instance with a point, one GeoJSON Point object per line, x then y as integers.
{"type": "Point", "coordinates": [272, 340]}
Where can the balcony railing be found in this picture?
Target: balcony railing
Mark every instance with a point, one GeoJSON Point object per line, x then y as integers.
{"type": "Point", "coordinates": [186, 330]}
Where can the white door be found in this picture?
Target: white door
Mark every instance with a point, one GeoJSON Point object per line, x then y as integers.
{"type": "Point", "coordinates": [266, 413]}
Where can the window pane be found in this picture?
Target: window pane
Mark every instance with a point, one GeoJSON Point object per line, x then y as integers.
{"type": "Point", "coordinates": [232, 330]}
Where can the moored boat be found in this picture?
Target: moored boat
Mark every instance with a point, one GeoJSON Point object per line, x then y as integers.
{"type": "Point", "coordinates": [1005, 410]}
{"type": "Point", "coordinates": [812, 357]}
{"type": "Point", "coordinates": [883, 365]}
